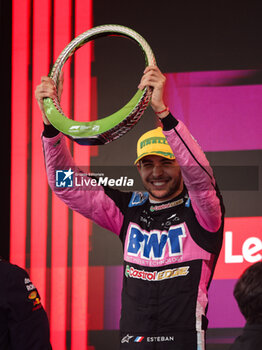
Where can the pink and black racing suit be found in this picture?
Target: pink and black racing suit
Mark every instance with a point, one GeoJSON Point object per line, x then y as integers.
{"type": "Point", "coordinates": [170, 249]}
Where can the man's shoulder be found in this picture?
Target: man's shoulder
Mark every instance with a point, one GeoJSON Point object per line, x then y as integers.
{"type": "Point", "coordinates": [7, 268]}
{"type": "Point", "coordinates": [138, 199]}
{"type": "Point", "coordinates": [125, 200]}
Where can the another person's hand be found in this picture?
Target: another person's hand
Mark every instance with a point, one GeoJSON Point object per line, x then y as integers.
{"type": "Point", "coordinates": [47, 88]}
{"type": "Point", "coordinates": [154, 78]}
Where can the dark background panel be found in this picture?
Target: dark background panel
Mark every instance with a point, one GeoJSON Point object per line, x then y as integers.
{"type": "Point", "coordinates": [185, 36]}
{"type": "Point", "coordinates": [192, 35]}
{"type": "Point", "coordinates": [239, 175]}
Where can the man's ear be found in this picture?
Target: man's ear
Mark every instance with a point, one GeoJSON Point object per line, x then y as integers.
{"type": "Point", "coordinates": [138, 166]}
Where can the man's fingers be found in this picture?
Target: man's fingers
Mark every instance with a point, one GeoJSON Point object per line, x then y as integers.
{"type": "Point", "coordinates": [153, 81]}
{"type": "Point", "coordinates": [151, 68]}
{"type": "Point", "coordinates": [45, 90]}
{"type": "Point", "coordinates": [47, 80]}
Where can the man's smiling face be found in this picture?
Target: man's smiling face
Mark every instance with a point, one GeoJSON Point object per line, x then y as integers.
{"type": "Point", "coordinates": [161, 177]}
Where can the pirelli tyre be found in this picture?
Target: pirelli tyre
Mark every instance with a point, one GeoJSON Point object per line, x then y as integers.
{"type": "Point", "coordinates": [112, 127]}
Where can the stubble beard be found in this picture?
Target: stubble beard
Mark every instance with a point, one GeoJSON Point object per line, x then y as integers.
{"type": "Point", "coordinates": [172, 192]}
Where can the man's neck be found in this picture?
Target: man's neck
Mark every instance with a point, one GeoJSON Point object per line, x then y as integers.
{"type": "Point", "coordinates": [154, 200]}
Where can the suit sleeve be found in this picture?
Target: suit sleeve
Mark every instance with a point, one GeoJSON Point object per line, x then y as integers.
{"type": "Point", "coordinates": [28, 324]}
{"type": "Point", "coordinates": [197, 173]}
{"type": "Point", "coordinates": [92, 201]}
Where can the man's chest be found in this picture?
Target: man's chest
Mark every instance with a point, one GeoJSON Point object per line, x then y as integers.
{"type": "Point", "coordinates": [158, 238]}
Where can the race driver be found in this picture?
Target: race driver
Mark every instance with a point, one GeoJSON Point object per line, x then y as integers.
{"type": "Point", "coordinates": [171, 234]}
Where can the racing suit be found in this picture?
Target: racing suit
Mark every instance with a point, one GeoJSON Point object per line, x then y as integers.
{"type": "Point", "coordinates": [170, 249]}
{"type": "Point", "coordinates": [23, 321]}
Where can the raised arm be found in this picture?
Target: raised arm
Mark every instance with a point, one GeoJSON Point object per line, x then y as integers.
{"type": "Point", "coordinates": [196, 171]}
{"type": "Point", "coordinates": [91, 201]}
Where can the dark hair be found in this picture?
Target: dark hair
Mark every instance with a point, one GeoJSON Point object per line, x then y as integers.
{"type": "Point", "coordinates": [248, 293]}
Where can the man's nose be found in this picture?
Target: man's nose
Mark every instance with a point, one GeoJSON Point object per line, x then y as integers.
{"type": "Point", "coordinates": [157, 171]}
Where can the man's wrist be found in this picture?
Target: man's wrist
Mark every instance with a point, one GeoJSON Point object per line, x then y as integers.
{"type": "Point", "coordinates": [159, 107]}
{"type": "Point", "coordinates": [162, 113]}
{"type": "Point", "coordinates": [169, 122]}
{"type": "Point", "coordinates": [45, 120]}
{"type": "Point", "coordinates": [50, 131]}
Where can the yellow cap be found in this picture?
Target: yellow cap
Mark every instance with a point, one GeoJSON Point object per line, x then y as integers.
{"type": "Point", "coordinates": [153, 142]}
